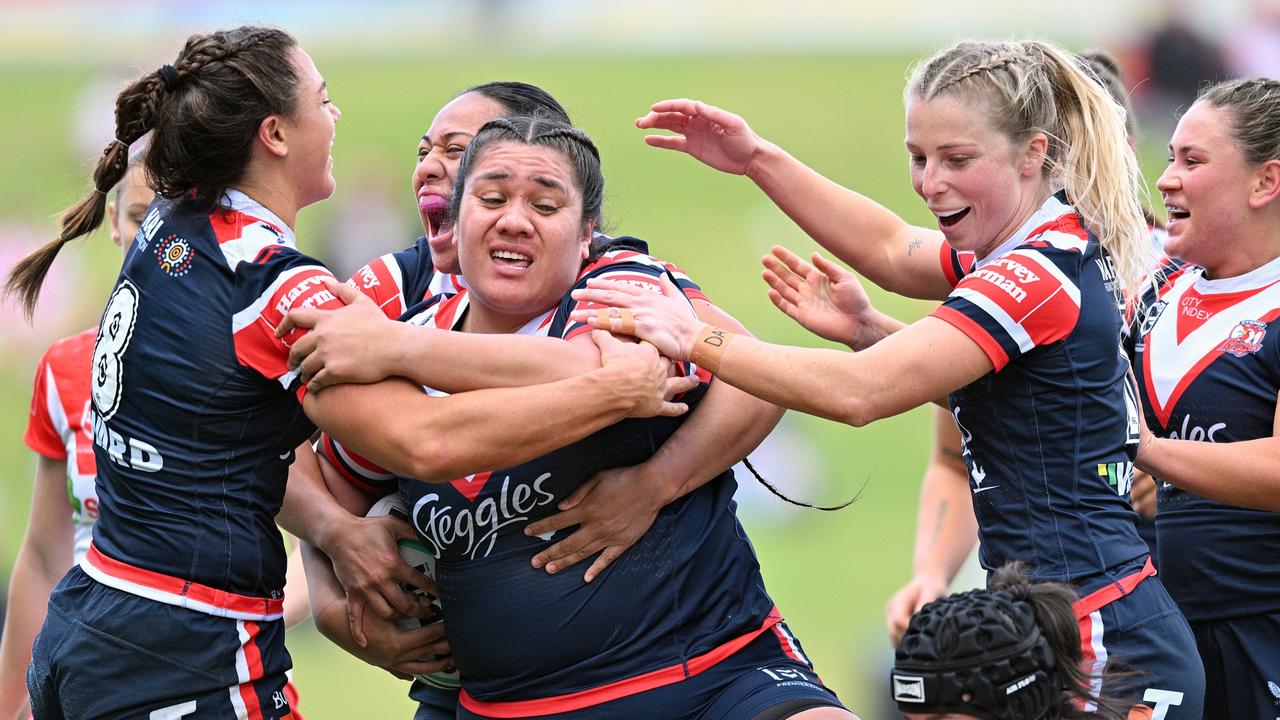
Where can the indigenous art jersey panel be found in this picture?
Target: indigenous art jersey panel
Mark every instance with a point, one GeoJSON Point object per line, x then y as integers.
{"type": "Point", "coordinates": [690, 586]}
{"type": "Point", "coordinates": [1207, 356]}
{"type": "Point", "coordinates": [195, 413]}
{"type": "Point", "coordinates": [60, 426]}
{"type": "Point", "coordinates": [1050, 435]}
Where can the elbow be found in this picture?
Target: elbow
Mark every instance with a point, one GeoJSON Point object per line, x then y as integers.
{"type": "Point", "coordinates": [429, 461]}
{"type": "Point", "coordinates": [858, 412]}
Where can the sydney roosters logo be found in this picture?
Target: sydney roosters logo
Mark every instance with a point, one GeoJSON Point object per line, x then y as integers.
{"type": "Point", "coordinates": [473, 531]}
{"type": "Point", "coordinates": [1245, 338]}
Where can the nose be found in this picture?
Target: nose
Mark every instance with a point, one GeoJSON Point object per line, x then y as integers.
{"type": "Point", "coordinates": [931, 181]}
{"type": "Point", "coordinates": [515, 221]}
{"type": "Point", "coordinates": [428, 168]}
{"type": "Point", "coordinates": [335, 111]}
{"type": "Point", "coordinates": [1168, 180]}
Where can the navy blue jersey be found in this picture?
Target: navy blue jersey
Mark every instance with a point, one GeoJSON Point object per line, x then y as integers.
{"type": "Point", "coordinates": [684, 597]}
{"type": "Point", "coordinates": [195, 412]}
{"type": "Point", "coordinates": [1208, 364]}
{"type": "Point", "coordinates": [1050, 435]}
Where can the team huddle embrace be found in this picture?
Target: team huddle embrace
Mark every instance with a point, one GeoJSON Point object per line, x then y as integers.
{"type": "Point", "coordinates": [567, 396]}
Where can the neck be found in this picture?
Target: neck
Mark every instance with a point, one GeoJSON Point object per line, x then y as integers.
{"type": "Point", "coordinates": [271, 192]}
{"type": "Point", "coordinates": [1254, 247]}
{"type": "Point", "coordinates": [1031, 202]}
{"type": "Point", "coordinates": [480, 319]}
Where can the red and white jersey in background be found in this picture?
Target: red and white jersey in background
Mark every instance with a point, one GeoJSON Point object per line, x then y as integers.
{"type": "Point", "coordinates": [59, 427]}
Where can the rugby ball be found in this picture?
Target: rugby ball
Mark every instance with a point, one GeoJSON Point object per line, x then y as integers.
{"type": "Point", "coordinates": [419, 557]}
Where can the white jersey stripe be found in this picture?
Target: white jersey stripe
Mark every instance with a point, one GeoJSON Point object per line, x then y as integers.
{"type": "Point", "coordinates": [253, 311]}
{"type": "Point", "coordinates": [997, 313]}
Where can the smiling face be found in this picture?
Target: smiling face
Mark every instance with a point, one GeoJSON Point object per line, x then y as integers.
{"type": "Point", "coordinates": [979, 185]}
{"type": "Point", "coordinates": [520, 234]}
{"type": "Point", "coordinates": [311, 131]}
{"type": "Point", "coordinates": [1205, 188]}
{"type": "Point", "coordinates": [439, 153]}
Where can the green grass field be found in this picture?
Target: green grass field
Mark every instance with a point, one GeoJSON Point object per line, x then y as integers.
{"type": "Point", "coordinates": [830, 572]}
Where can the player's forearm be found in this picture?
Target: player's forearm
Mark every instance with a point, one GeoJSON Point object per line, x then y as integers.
{"type": "Point", "coordinates": [325, 595]}
{"type": "Point", "coordinates": [440, 439]}
{"type": "Point", "coordinates": [864, 234]}
{"type": "Point", "coordinates": [29, 590]}
{"type": "Point", "coordinates": [310, 511]}
{"type": "Point", "coordinates": [1240, 473]}
{"type": "Point", "coordinates": [946, 529]}
{"type": "Point", "coordinates": [725, 427]}
{"type": "Point", "coordinates": [297, 606]}
{"type": "Point", "coordinates": [456, 362]}
{"type": "Point", "coordinates": [896, 374]}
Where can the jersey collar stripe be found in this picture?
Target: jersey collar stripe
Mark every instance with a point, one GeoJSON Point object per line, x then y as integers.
{"type": "Point", "coordinates": [622, 688]}
{"type": "Point", "coordinates": [176, 591]}
{"type": "Point", "coordinates": [1051, 210]}
{"type": "Point", "coordinates": [247, 205]}
{"type": "Point", "coordinates": [1255, 279]}
{"type": "Point", "coordinates": [1180, 363]}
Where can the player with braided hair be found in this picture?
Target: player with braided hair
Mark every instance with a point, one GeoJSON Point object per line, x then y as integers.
{"type": "Point", "coordinates": [1023, 158]}
{"type": "Point", "coordinates": [175, 610]}
{"type": "Point", "coordinates": [1009, 652]}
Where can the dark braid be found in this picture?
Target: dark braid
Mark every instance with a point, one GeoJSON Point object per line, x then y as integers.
{"type": "Point", "coordinates": [224, 84]}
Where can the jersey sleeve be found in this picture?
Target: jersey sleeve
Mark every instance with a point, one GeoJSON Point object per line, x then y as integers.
{"type": "Point", "coordinates": [278, 280]}
{"type": "Point", "coordinates": [41, 435]}
{"type": "Point", "coordinates": [1013, 304]}
{"type": "Point", "coordinates": [361, 472]}
{"type": "Point", "coordinates": [383, 282]}
{"type": "Point", "coordinates": [955, 264]}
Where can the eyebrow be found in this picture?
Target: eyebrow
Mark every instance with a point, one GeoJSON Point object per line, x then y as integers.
{"type": "Point", "coordinates": [448, 135]}
{"type": "Point", "coordinates": [1187, 148]}
{"type": "Point", "coordinates": [542, 180]}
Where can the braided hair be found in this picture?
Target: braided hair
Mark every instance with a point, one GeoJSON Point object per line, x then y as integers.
{"type": "Point", "coordinates": [203, 112]}
{"type": "Point", "coordinates": [1032, 87]}
{"type": "Point", "coordinates": [573, 143]}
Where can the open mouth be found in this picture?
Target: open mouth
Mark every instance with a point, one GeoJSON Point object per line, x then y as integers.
{"type": "Point", "coordinates": [436, 210]}
{"type": "Point", "coordinates": [510, 258]}
{"type": "Point", "coordinates": [949, 219]}
{"type": "Point", "coordinates": [1176, 213]}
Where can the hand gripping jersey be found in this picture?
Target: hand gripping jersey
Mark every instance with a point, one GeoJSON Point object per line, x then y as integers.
{"type": "Point", "coordinates": [60, 428]}
{"type": "Point", "coordinates": [686, 596]}
{"type": "Point", "coordinates": [1207, 357]}
{"type": "Point", "coordinates": [195, 413]}
{"type": "Point", "coordinates": [1050, 436]}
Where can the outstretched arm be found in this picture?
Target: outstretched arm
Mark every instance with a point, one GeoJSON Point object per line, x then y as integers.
{"type": "Point", "coordinates": [439, 439]}
{"type": "Point", "coordinates": [45, 556]}
{"type": "Point", "coordinates": [896, 374]}
{"type": "Point", "coordinates": [890, 252]}
{"type": "Point", "coordinates": [1237, 473]}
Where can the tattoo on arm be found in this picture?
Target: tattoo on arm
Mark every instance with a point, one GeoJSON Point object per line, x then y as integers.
{"type": "Point", "coordinates": [915, 244]}
{"type": "Point", "coordinates": [937, 523]}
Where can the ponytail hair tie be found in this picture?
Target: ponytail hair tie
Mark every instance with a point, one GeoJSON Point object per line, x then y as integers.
{"type": "Point", "coordinates": [169, 74]}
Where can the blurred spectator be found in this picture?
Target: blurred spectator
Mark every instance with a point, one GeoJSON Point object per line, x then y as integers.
{"type": "Point", "coordinates": [1254, 49]}
{"type": "Point", "coordinates": [1179, 61]}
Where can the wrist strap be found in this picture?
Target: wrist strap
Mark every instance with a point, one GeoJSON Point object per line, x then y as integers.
{"type": "Point", "coordinates": [708, 349]}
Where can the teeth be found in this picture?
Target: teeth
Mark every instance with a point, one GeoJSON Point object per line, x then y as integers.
{"type": "Point", "coordinates": [508, 255]}
{"type": "Point", "coordinates": [951, 213]}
